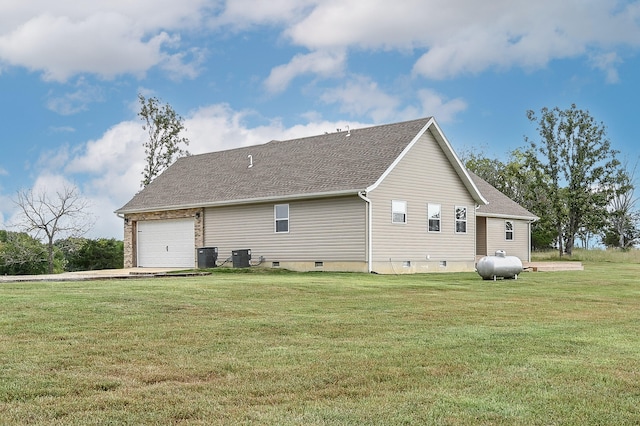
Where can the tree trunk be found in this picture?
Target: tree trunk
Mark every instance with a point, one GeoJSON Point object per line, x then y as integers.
{"type": "Point", "coordinates": [50, 256]}
{"type": "Point", "coordinates": [569, 246]}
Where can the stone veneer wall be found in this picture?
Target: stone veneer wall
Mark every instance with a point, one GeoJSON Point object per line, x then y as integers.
{"type": "Point", "coordinates": [131, 228]}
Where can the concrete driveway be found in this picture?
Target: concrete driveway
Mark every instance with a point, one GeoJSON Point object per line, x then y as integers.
{"type": "Point", "coordinates": [92, 275]}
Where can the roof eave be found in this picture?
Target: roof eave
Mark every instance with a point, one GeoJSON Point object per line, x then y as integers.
{"type": "Point", "coordinates": [507, 216]}
{"type": "Point", "coordinates": [292, 197]}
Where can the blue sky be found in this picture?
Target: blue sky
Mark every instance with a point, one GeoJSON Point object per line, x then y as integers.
{"type": "Point", "coordinates": [244, 72]}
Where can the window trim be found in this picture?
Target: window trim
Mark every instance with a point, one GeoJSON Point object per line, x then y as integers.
{"type": "Point", "coordinates": [465, 220]}
{"type": "Point", "coordinates": [277, 219]}
{"type": "Point", "coordinates": [439, 219]}
{"type": "Point", "coordinates": [395, 203]}
{"type": "Point", "coordinates": [509, 231]}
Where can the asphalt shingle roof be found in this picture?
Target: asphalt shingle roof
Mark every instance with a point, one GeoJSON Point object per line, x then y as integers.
{"type": "Point", "coordinates": [329, 163]}
{"type": "Point", "coordinates": [499, 204]}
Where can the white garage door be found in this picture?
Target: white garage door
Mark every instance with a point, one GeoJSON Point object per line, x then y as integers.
{"type": "Point", "coordinates": [166, 243]}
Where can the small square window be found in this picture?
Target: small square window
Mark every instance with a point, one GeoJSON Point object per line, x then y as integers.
{"type": "Point", "coordinates": [398, 211]}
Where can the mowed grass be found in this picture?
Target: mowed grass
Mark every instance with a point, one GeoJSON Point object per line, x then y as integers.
{"type": "Point", "coordinates": [324, 349]}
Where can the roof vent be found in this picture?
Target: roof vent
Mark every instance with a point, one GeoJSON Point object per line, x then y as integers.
{"type": "Point", "coordinates": [348, 131]}
{"type": "Point", "coordinates": [250, 157]}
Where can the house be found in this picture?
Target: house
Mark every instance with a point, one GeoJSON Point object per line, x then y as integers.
{"type": "Point", "coordinates": [387, 199]}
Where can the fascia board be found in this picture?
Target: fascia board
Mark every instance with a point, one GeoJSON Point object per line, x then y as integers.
{"type": "Point", "coordinates": [507, 216]}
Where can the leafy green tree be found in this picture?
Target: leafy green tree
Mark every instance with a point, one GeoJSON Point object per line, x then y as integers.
{"type": "Point", "coordinates": [492, 170]}
{"type": "Point", "coordinates": [70, 248]}
{"type": "Point", "coordinates": [512, 177]}
{"type": "Point", "coordinates": [164, 127]}
{"type": "Point", "coordinates": [83, 254]}
{"type": "Point", "coordinates": [574, 168]}
{"type": "Point", "coordinates": [21, 254]}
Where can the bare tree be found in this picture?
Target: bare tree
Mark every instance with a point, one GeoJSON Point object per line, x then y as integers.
{"type": "Point", "coordinates": [623, 217]}
{"type": "Point", "coordinates": [49, 217]}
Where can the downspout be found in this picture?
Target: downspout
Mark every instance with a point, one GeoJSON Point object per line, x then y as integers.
{"type": "Point", "coordinates": [530, 239]}
{"type": "Point", "coordinates": [475, 234]}
{"type": "Point", "coordinates": [362, 195]}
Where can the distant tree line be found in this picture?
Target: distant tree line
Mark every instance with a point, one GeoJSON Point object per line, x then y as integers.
{"type": "Point", "coordinates": [571, 178]}
{"type": "Point", "coordinates": [22, 254]}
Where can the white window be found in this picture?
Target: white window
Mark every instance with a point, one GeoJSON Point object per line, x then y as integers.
{"type": "Point", "coordinates": [281, 212]}
{"type": "Point", "coordinates": [508, 230]}
{"type": "Point", "coordinates": [398, 211]}
{"type": "Point", "coordinates": [433, 213]}
{"type": "Point", "coordinates": [461, 220]}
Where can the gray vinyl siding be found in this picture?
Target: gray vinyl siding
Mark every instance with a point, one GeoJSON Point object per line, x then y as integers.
{"type": "Point", "coordinates": [423, 176]}
{"type": "Point", "coordinates": [329, 229]}
{"type": "Point", "coordinates": [496, 240]}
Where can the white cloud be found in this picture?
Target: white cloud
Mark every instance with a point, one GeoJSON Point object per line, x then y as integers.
{"type": "Point", "coordinates": [607, 62]}
{"type": "Point", "coordinates": [362, 97]}
{"type": "Point", "coordinates": [323, 63]}
{"type": "Point", "coordinates": [73, 102]}
{"type": "Point", "coordinates": [53, 159]}
{"type": "Point", "coordinates": [7, 211]}
{"type": "Point", "coordinates": [435, 104]}
{"type": "Point", "coordinates": [50, 182]}
{"type": "Point", "coordinates": [219, 127]}
{"type": "Point", "coordinates": [114, 162]}
{"type": "Point", "coordinates": [102, 37]}
{"type": "Point", "coordinates": [186, 64]}
{"type": "Point", "coordinates": [371, 24]}
{"type": "Point", "coordinates": [450, 37]}
{"type": "Point", "coordinates": [242, 14]}
{"type": "Point", "coordinates": [104, 44]}
{"type": "Point", "coordinates": [149, 14]}
{"type": "Point", "coordinates": [454, 37]}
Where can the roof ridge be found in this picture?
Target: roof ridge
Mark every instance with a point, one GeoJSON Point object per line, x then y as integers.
{"type": "Point", "coordinates": [302, 138]}
{"type": "Point", "coordinates": [356, 129]}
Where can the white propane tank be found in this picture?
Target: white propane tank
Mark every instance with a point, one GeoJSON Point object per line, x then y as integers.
{"type": "Point", "coordinates": [500, 265]}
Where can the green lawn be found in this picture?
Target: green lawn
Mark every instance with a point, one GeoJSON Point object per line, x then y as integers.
{"type": "Point", "coordinates": [322, 348]}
